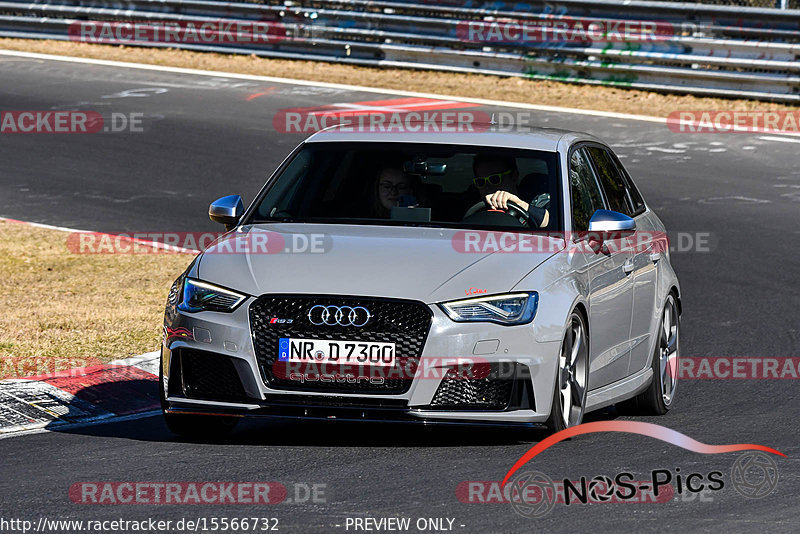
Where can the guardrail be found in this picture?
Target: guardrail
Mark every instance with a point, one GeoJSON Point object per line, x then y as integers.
{"type": "Point", "coordinates": [673, 47]}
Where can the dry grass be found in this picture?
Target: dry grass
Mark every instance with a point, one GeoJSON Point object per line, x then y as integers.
{"type": "Point", "coordinates": [452, 84]}
{"type": "Point", "coordinates": [63, 310]}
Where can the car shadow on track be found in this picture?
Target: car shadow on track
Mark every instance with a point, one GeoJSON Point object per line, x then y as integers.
{"type": "Point", "coordinates": [129, 397]}
{"type": "Point", "coordinates": [262, 432]}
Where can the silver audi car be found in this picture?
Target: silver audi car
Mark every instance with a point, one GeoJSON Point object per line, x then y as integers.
{"type": "Point", "coordinates": [506, 277]}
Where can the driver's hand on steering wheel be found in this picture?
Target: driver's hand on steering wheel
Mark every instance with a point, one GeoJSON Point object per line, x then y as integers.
{"type": "Point", "coordinates": [499, 200]}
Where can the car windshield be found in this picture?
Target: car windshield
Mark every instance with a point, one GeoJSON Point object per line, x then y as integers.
{"type": "Point", "coordinates": [407, 184]}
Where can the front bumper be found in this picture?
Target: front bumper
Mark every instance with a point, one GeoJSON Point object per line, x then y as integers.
{"type": "Point", "coordinates": [207, 350]}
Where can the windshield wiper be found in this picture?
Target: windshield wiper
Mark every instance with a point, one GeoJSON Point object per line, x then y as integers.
{"type": "Point", "coordinates": [273, 219]}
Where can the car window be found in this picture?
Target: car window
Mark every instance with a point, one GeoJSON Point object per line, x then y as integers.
{"type": "Point", "coordinates": [586, 197]}
{"type": "Point", "coordinates": [611, 180]}
{"type": "Point", "coordinates": [357, 183]}
{"type": "Point", "coordinates": [297, 168]}
{"type": "Point", "coordinates": [633, 191]}
{"type": "Point", "coordinates": [636, 197]}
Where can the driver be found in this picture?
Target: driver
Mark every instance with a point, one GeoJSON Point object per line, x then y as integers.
{"type": "Point", "coordinates": [496, 181]}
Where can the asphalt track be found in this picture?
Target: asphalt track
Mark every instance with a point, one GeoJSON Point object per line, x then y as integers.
{"type": "Point", "coordinates": [207, 137]}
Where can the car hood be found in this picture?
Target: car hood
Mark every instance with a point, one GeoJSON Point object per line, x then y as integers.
{"type": "Point", "coordinates": [426, 264]}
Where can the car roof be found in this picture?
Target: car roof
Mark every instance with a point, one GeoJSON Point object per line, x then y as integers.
{"type": "Point", "coordinates": [483, 134]}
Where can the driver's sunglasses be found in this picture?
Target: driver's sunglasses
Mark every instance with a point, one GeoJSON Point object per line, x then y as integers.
{"type": "Point", "coordinates": [491, 179]}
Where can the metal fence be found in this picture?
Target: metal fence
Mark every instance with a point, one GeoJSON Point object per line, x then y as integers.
{"type": "Point", "coordinates": [780, 4]}
{"type": "Point", "coordinates": [673, 47]}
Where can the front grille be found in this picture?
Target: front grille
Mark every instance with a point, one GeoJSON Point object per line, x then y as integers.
{"type": "Point", "coordinates": [488, 389]}
{"type": "Point", "coordinates": [208, 376]}
{"type": "Point", "coordinates": [403, 322]}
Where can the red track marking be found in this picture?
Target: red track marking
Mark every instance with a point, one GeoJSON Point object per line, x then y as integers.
{"type": "Point", "coordinates": [118, 389]}
{"type": "Point", "coordinates": [267, 91]}
{"type": "Point", "coordinates": [395, 105]}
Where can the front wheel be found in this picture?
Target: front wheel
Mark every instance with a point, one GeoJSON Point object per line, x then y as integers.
{"type": "Point", "coordinates": [569, 395]}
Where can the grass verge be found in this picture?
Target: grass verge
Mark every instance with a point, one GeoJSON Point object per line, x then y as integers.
{"type": "Point", "coordinates": [64, 310]}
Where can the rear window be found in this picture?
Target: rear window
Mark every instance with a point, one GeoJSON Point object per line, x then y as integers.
{"type": "Point", "coordinates": [612, 181]}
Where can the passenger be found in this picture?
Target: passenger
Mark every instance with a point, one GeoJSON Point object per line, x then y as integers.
{"type": "Point", "coordinates": [392, 187]}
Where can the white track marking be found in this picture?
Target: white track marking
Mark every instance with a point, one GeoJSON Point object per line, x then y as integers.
{"type": "Point", "coordinates": [359, 88]}
{"type": "Point", "coordinates": [153, 244]}
{"type": "Point", "coordinates": [345, 87]}
{"type": "Point", "coordinates": [47, 226]}
{"type": "Point", "coordinates": [666, 150]}
{"type": "Point", "coordinates": [735, 198]}
{"type": "Point", "coordinates": [779, 139]}
{"type": "Point", "coordinates": [147, 362]}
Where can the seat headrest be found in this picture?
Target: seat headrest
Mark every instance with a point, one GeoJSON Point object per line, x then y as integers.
{"type": "Point", "coordinates": [534, 184]}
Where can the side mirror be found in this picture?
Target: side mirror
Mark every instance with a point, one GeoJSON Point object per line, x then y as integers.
{"type": "Point", "coordinates": [226, 210]}
{"type": "Point", "coordinates": [607, 224]}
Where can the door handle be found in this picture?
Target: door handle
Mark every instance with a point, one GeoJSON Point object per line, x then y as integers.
{"type": "Point", "coordinates": [627, 267]}
{"type": "Point", "coordinates": [654, 257]}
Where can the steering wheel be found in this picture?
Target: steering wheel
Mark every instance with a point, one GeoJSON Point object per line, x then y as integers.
{"type": "Point", "coordinates": [516, 211]}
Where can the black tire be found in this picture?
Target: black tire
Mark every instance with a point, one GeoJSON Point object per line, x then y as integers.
{"type": "Point", "coordinates": [193, 426]}
{"type": "Point", "coordinates": [658, 399]}
{"type": "Point", "coordinates": [576, 372]}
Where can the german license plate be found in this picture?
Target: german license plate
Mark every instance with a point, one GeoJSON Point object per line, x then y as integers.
{"type": "Point", "coordinates": [291, 349]}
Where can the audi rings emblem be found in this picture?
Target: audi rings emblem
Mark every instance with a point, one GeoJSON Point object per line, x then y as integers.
{"type": "Point", "coordinates": [339, 315]}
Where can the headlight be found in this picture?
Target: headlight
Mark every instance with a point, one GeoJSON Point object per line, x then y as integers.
{"type": "Point", "coordinates": [515, 308]}
{"type": "Point", "coordinates": [176, 291]}
{"type": "Point", "coordinates": [202, 296]}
